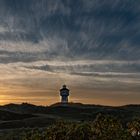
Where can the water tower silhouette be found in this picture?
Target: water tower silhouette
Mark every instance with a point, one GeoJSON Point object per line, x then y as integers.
{"type": "Point", "coordinates": [64, 93]}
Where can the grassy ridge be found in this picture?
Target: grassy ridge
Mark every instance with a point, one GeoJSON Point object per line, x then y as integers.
{"type": "Point", "coordinates": [28, 115]}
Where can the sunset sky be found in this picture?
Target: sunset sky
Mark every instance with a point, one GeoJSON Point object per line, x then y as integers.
{"type": "Point", "coordinates": [92, 46]}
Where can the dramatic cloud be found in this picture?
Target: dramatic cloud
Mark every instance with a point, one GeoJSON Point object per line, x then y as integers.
{"type": "Point", "coordinates": [93, 46]}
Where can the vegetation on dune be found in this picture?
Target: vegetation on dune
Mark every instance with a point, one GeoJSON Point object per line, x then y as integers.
{"type": "Point", "coordinates": [7, 115]}
{"type": "Point", "coordinates": [104, 127]}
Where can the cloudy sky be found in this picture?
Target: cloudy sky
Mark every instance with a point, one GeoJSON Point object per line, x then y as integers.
{"type": "Point", "coordinates": [93, 46]}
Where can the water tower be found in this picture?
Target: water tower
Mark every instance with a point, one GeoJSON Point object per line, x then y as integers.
{"type": "Point", "coordinates": [64, 93]}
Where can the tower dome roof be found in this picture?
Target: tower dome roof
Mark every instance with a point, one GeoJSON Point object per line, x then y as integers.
{"type": "Point", "coordinates": [64, 86]}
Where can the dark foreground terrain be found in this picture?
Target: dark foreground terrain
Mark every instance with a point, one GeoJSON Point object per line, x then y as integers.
{"type": "Point", "coordinates": [62, 122]}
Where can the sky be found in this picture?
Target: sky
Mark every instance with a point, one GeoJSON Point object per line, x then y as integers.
{"type": "Point", "coordinates": [92, 46]}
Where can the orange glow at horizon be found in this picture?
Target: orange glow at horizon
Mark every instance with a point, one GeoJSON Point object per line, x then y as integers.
{"type": "Point", "coordinates": [46, 98]}
{"type": "Point", "coordinates": [42, 88]}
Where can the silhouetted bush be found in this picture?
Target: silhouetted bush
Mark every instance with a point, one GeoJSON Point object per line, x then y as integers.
{"type": "Point", "coordinates": [104, 127]}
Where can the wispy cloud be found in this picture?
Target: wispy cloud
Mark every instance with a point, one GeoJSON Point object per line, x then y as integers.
{"type": "Point", "coordinates": [93, 46]}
